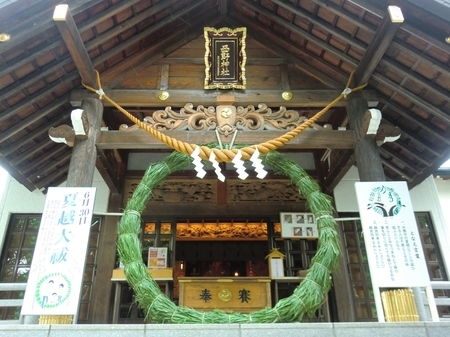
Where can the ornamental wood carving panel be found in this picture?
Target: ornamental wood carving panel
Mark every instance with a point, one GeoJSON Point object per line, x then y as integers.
{"type": "Point", "coordinates": [262, 191]}
{"type": "Point", "coordinates": [178, 191]}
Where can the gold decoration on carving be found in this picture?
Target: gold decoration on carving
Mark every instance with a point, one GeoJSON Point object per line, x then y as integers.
{"type": "Point", "coordinates": [225, 295]}
{"type": "Point", "coordinates": [287, 95]}
{"type": "Point", "coordinates": [4, 37]}
{"type": "Point", "coordinates": [226, 119]}
{"type": "Point", "coordinates": [226, 113]}
{"type": "Point", "coordinates": [163, 95]}
{"type": "Point", "coordinates": [222, 230]}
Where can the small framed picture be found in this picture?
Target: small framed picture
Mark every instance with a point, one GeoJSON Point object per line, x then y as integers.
{"type": "Point", "coordinates": [298, 225]}
{"type": "Point", "coordinates": [157, 257]}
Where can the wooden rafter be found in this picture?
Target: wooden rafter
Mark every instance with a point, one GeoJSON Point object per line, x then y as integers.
{"type": "Point", "coordinates": [69, 31]}
{"type": "Point", "coordinates": [404, 112]}
{"type": "Point", "coordinates": [285, 48]}
{"type": "Point", "coordinates": [39, 23]}
{"type": "Point", "coordinates": [380, 42]}
{"type": "Point", "coordinates": [36, 133]}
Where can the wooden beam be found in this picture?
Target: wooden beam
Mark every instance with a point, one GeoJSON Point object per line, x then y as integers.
{"type": "Point", "coordinates": [414, 98]}
{"type": "Point", "coordinates": [382, 39]}
{"type": "Point", "coordinates": [369, 5]}
{"type": "Point", "coordinates": [155, 52]}
{"type": "Point", "coordinates": [308, 139]}
{"type": "Point", "coordinates": [53, 179]}
{"type": "Point", "coordinates": [164, 84]}
{"type": "Point", "coordinates": [50, 167]}
{"type": "Point", "coordinates": [397, 157]}
{"type": "Point", "coordinates": [397, 42]}
{"type": "Point", "coordinates": [404, 112]}
{"type": "Point", "coordinates": [31, 100]}
{"type": "Point", "coordinates": [24, 123]}
{"type": "Point", "coordinates": [71, 36]}
{"type": "Point", "coordinates": [178, 98]}
{"type": "Point", "coordinates": [386, 60]}
{"type": "Point", "coordinates": [45, 157]}
{"type": "Point", "coordinates": [31, 151]}
{"type": "Point", "coordinates": [284, 72]}
{"type": "Point", "coordinates": [269, 61]}
{"type": "Point", "coordinates": [36, 133]}
{"type": "Point", "coordinates": [38, 23]}
{"type": "Point", "coordinates": [306, 35]}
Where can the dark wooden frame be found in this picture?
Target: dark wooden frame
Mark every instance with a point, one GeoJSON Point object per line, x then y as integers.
{"type": "Point", "coordinates": [234, 40]}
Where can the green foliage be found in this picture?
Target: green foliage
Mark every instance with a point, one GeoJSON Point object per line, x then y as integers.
{"type": "Point", "coordinates": [304, 301]}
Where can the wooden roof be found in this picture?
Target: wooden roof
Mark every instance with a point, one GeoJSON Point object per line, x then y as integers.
{"type": "Point", "coordinates": [315, 44]}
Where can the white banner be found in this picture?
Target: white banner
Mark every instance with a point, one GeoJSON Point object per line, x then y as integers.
{"type": "Point", "coordinates": [391, 237]}
{"type": "Point", "coordinates": [57, 268]}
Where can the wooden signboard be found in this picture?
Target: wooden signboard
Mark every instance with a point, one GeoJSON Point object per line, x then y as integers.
{"type": "Point", "coordinates": [230, 294]}
{"type": "Point", "coordinates": [225, 58]}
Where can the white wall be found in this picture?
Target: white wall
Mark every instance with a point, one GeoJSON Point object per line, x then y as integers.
{"type": "Point", "coordinates": [426, 197]}
{"type": "Point", "coordinates": [17, 199]}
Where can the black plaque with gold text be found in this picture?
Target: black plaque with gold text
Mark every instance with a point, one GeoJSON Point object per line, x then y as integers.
{"type": "Point", "coordinates": [225, 58]}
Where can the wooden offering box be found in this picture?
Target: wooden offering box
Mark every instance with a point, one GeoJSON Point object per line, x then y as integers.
{"type": "Point", "coordinates": [230, 294]}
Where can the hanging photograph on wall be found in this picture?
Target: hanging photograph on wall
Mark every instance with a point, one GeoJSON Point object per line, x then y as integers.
{"type": "Point", "coordinates": [298, 225]}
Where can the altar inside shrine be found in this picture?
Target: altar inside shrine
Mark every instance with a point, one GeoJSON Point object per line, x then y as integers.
{"type": "Point", "coordinates": [230, 294]}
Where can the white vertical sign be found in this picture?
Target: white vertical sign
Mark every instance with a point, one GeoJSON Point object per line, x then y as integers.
{"type": "Point", "coordinates": [392, 241]}
{"type": "Point", "coordinates": [59, 257]}
{"type": "Point", "coordinates": [393, 245]}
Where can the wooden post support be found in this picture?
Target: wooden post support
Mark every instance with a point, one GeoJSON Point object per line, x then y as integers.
{"type": "Point", "coordinates": [367, 157]}
{"type": "Point", "coordinates": [381, 41]}
{"type": "Point", "coordinates": [71, 36]}
{"type": "Point", "coordinates": [84, 153]}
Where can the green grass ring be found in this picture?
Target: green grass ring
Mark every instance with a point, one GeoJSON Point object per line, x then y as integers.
{"type": "Point", "coordinates": [304, 301]}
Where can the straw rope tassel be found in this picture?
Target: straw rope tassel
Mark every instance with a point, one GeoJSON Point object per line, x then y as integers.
{"type": "Point", "coordinates": [224, 155]}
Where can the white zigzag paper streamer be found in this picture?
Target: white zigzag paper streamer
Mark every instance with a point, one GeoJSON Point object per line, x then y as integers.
{"type": "Point", "coordinates": [198, 163]}
{"type": "Point", "coordinates": [239, 166]}
{"type": "Point", "coordinates": [257, 164]}
{"type": "Point", "coordinates": [215, 164]}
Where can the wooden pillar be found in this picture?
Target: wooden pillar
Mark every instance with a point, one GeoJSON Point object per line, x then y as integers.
{"type": "Point", "coordinates": [84, 153]}
{"type": "Point", "coordinates": [367, 156]}
{"type": "Point", "coordinates": [102, 298]}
